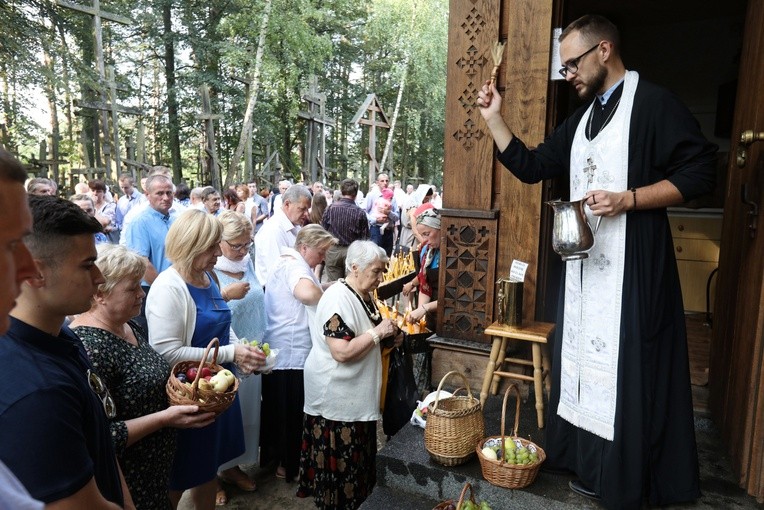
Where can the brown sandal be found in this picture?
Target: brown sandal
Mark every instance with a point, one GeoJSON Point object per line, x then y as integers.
{"type": "Point", "coordinates": [221, 498]}
{"type": "Point", "coordinates": [244, 483]}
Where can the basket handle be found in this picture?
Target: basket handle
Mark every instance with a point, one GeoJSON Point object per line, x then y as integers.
{"type": "Point", "coordinates": [195, 385]}
{"type": "Point", "coordinates": [440, 386]}
{"type": "Point", "coordinates": [464, 493]}
{"type": "Point", "coordinates": [512, 387]}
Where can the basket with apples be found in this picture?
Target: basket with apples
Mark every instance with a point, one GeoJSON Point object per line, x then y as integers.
{"type": "Point", "coordinates": [203, 383]}
{"type": "Point", "coordinates": [511, 462]}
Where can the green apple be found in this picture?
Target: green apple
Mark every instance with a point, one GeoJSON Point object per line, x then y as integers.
{"type": "Point", "coordinates": [228, 375]}
{"type": "Point", "coordinates": [219, 383]}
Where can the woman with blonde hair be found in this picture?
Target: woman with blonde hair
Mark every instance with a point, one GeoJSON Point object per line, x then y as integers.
{"type": "Point", "coordinates": [142, 427]}
{"type": "Point", "coordinates": [291, 295]}
{"type": "Point", "coordinates": [185, 310]}
{"type": "Point", "coordinates": [234, 267]}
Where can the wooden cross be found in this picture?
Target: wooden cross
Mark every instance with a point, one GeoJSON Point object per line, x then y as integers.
{"type": "Point", "coordinates": [211, 166]}
{"type": "Point", "coordinates": [90, 172]}
{"type": "Point", "coordinates": [132, 162]}
{"type": "Point", "coordinates": [98, 15]}
{"type": "Point", "coordinates": [315, 139]}
{"type": "Point", "coordinates": [47, 167]}
{"type": "Point", "coordinates": [270, 169]}
{"type": "Point", "coordinates": [373, 108]}
{"type": "Point", "coordinates": [589, 170]}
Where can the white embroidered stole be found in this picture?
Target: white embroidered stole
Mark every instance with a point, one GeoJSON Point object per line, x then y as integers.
{"type": "Point", "coordinates": [592, 322]}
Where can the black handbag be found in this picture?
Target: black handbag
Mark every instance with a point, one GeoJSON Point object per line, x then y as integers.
{"type": "Point", "coordinates": [402, 394]}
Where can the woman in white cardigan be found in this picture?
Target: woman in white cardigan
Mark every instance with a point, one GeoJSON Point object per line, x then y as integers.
{"type": "Point", "coordinates": [184, 311]}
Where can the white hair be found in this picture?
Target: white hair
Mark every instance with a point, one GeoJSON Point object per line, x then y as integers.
{"type": "Point", "coordinates": [363, 253]}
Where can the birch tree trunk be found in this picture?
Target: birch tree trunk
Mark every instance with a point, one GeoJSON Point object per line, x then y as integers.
{"type": "Point", "coordinates": [389, 143]}
{"type": "Point", "coordinates": [246, 129]}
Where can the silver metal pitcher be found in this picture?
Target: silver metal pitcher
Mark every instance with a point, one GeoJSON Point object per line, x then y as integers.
{"type": "Point", "coordinates": [572, 235]}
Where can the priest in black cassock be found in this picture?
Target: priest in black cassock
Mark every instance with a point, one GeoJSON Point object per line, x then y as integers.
{"type": "Point", "coordinates": [620, 415]}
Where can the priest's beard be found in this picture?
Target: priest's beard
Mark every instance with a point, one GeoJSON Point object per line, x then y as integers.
{"type": "Point", "coordinates": [595, 84]}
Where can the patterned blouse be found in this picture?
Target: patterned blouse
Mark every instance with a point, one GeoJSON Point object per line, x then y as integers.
{"type": "Point", "coordinates": [136, 378]}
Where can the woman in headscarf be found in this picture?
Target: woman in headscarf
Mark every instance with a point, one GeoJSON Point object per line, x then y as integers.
{"type": "Point", "coordinates": [426, 281]}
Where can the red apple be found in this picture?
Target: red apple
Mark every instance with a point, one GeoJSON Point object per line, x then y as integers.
{"type": "Point", "coordinates": [207, 377]}
{"type": "Point", "coordinates": [191, 374]}
{"type": "Point", "coordinates": [206, 372]}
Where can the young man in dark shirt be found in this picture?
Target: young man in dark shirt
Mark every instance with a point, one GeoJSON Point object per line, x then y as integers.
{"type": "Point", "coordinates": [54, 416]}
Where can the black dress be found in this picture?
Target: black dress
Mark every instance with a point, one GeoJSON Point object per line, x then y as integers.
{"type": "Point", "coordinates": [136, 377]}
{"type": "Point", "coordinates": [653, 452]}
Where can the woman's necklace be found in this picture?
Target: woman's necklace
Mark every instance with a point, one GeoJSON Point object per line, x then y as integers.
{"type": "Point", "coordinates": [608, 119]}
{"type": "Point", "coordinates": [372, 311]}
{"type": "Point", "coordinates": [110, 328]}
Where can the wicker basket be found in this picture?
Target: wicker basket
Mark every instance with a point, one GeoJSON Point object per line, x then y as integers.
{"type": "Point", "coordinates": [498, 472]}
{"type": "Point", "coordinates": [209, 401]}
{"type": "Point", "coordinates": [450, 503]}
{"type": "Point", "coordinates": [454, 426]}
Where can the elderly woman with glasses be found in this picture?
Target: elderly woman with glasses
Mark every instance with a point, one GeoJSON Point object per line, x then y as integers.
{"type": "Point", "coordinates": [291, 295]}
{"type": "Point", "coordinates": [185, 310]}
{"type": "Point", "coordinates": [246, 300]}
{"type": "Point", "coordinates": [343, 381]}
{"type": "Point", "coordinates": [135, 376]}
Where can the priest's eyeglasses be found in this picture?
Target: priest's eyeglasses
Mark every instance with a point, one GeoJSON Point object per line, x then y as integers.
{"type": "Point", "coordinates": [100, 389]}
{"type": "Point", "coordinates": [571, 66]}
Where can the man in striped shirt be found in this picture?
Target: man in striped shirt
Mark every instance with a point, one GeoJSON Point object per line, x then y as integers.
{"type": "Point", "coordinates": [347, 222]}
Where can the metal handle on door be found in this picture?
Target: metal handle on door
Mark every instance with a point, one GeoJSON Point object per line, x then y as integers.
{"type": "Point", "coordinates": [747, 137]}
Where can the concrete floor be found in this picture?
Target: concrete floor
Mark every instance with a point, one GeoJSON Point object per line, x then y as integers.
{"type": "Point", "coordinates": [272, 493]}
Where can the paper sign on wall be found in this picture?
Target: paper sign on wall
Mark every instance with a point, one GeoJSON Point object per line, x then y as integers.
{"type": "Point", "coordinates": [517, 271]}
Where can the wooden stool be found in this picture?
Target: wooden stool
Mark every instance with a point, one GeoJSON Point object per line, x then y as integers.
{"type": "Point", "coordinates": [538, 333]}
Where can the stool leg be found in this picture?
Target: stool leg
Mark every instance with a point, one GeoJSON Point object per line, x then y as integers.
{"type": "Point", "coordinates": [489, 369]}
{"type": "Point", "coordinates": [537, 384]}
{"type": "Point", "coordinates": [546, 362]}
{"type": "Point", "coordinates": [499, 361]}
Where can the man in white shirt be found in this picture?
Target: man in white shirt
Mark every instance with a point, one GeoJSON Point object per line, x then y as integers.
{"type": "Point", "coordinates": [281, 230]}
{"type": "Point", "coordinates": [130, 199]}
{"type": "Point", "coordinates": [276, 200]}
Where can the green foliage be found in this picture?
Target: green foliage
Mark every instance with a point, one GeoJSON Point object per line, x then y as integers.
{"type": "Point", "coordinates": [354, 48]}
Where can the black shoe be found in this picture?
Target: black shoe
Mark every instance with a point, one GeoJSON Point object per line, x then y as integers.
{"type": "Point", "coordinates": [582, 490]}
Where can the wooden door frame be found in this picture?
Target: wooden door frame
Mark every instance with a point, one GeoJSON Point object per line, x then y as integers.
{"type": "Point", "coordinates": [737, 347]}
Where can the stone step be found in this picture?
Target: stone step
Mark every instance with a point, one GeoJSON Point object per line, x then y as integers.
{"type": "Point", "coordinates": [405, 467]}
{"type": "Point", "coordinates": [408, 479]}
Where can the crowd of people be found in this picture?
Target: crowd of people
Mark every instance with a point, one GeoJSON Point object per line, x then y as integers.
{"type": "Point", "coordinates": [110, 290]}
